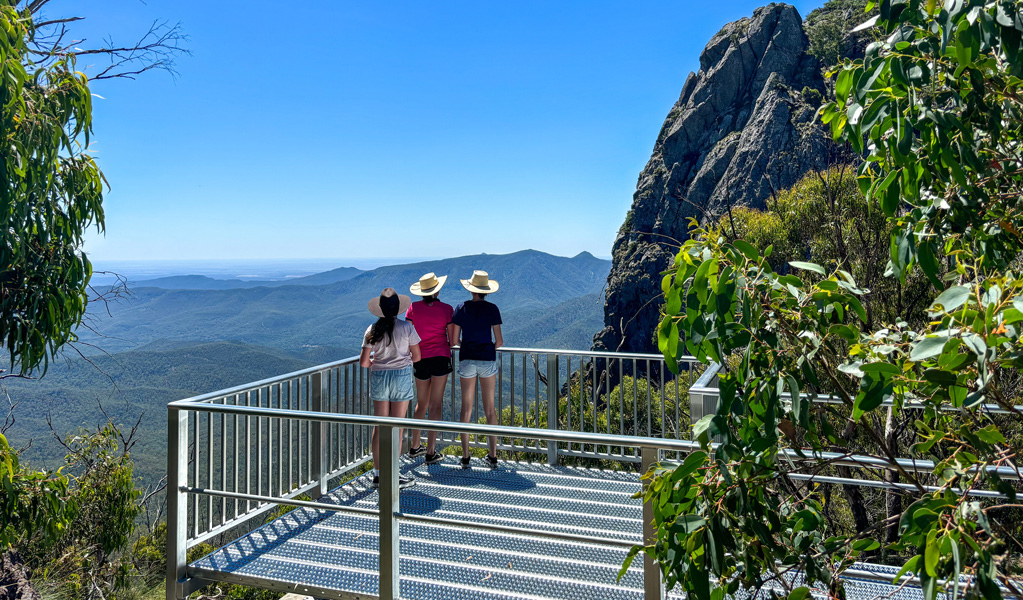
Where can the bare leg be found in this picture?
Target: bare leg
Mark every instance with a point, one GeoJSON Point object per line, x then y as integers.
{"type": "Point", "coordinates": [380, 409]}
{"type": "Point", "coordinates": [468, 400]}
{"type": "Point", "coordinates": [399, 410]}
{"type": "Point", "coordinates": [487, 385]}
{"type": "Point", "coordinates": [437, 385]}
{"type": "Point", "coordinates": [422, 403]}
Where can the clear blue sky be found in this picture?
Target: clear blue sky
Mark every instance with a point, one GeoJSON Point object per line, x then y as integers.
{"type": "Point", "coordinates": [378, 129]}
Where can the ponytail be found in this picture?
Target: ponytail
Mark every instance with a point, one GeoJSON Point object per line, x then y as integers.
{"type": "Point", "coordinates": [383, 326]}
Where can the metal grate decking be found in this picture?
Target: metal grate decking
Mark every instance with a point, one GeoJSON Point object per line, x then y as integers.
{"type": "Point", "coordinates": [335, 555]}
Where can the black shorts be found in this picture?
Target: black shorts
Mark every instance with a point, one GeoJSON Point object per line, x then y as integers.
{"type": "Point", "coordinates": [435, 366]}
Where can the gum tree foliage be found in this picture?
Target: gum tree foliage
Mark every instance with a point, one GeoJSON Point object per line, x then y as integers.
{"type": "Point", "coordinates": [935, 108]}
{"type": "Point", "coordinates": [50, 194]}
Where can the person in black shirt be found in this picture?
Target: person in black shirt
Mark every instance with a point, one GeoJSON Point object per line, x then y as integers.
{"type": "Point", "coordinates": [477, 330]}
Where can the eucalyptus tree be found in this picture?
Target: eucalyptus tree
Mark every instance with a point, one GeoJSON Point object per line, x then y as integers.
{"type": "Point", "coordinates": [51, 192]}
{"type": "Point", "coordinates": [935, 107]}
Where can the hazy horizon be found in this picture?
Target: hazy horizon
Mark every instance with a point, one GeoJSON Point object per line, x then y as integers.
{"type": "Point", "coordinates": [248, 268]}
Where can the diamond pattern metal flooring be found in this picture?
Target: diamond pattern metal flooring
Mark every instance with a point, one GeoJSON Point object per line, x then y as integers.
{"type": "Point", "coordinates": [336, 554]}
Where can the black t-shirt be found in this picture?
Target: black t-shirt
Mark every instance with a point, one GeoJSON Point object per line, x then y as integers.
{"type": "Point", "coordinates": [476, 318]}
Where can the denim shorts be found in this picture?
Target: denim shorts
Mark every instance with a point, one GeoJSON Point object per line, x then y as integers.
{"type": "Point", "coordinates": [392, 385]}
{"type": "Point", "coordinates": [467, 369]}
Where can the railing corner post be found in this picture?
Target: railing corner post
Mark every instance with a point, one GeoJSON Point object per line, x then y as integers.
{"type": "Point", "coordinates": [177, 502]}
{"type": "Point", "coordinates": [390, 451]}
{"type": "Point", "coordinates": [705, 401]}
{"type": "Point", "coordinates": [317, 392]}
{"type": "Point", "coordinates": [552, 406]}
{"type": "Point", "coordinates": [653, 586]}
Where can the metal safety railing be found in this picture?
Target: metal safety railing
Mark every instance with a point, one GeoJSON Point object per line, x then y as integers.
{"type": "Point", "coordinates": [236, 454]}
{"type": "Point", "coordinates": [585, 398]}
{"type": "Point", "coordinates": [249, 462]}
{"type": "Point", "coordinates": [180, 585]}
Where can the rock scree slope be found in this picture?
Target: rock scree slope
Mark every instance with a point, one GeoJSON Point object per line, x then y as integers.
{"type": "Point", "coordinates": [742, 127]}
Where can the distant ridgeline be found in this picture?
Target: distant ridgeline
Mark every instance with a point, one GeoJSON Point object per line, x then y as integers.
{"type": "Point", "coordinates": [744, 127]}
{"type": "Point", "coordinates": [166, 344]}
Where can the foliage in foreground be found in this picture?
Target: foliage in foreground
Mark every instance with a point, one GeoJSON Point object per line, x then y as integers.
{"type": "Point", "coordinates": [935, 107]}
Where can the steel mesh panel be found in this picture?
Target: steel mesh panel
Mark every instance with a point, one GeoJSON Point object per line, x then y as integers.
{"type": "Point", "coordinates": [339, 551]}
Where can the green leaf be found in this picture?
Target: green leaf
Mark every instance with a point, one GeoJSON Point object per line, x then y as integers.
{"type": "Point", "coordinates": [909, 567]}
{"type": "Point", "coordinates": [689, 466]}
{"type": "Point", "coordinates": [880, 367]}
{"type": "Point", "coordinates": [928, 347]}
{"type": "Point", "coordinates": [950, 299]}
{"type": "Point", "coordinates": [991, 435]}
{"type": "Point", "coordinates": [800, 593]}
{"type": "Point", "coordinates": [635, 550]}
{"type": "Point", "coordinates": [747, 249]}
{"type": "Point", "coordinates": [808, 266]}
{"type": "Point", "coordinates": [865, 545]}
{"type": "Point", "coordinates": [931, 553]}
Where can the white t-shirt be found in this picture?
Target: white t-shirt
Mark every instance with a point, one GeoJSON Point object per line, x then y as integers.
{"type": "Point", "coordinates": [396, 354]}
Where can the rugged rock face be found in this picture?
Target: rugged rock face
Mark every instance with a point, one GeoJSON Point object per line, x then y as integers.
{"type": "Point", "coordinates": [14, 583]}
{"type": "Point", "coordinates": [742, 127]}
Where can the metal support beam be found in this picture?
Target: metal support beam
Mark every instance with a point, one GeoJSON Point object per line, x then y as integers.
{"type": "Point", "coordinates": [653, 586]}
{"type": "Point", "coordinates": [317, 392]}
{"type": "Point", "coordinates": [390, 450]}
{"type": "Point", "coordinates": [704, 395]}
{"type": "Point", "coordinates": [177, 502]}
{"type": "Point", "coordinates": [552, 406]}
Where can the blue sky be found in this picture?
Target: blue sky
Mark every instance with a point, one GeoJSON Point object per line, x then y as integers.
{"type": "Point", "coordinates": [380, 129]}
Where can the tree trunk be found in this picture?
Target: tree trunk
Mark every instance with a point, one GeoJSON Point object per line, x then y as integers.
{"type": "Point", "coordinates": [893, 499]}
{"type": "Point", "coordinates": [14, 583]}
{"type": "Point", "coordinates": [852, 493]}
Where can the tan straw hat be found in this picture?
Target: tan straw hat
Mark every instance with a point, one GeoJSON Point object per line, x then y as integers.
{"type": "Point", "coordinates": [481, 283]}
{"type": "Point", "coordinates": [387, 299]}
{"type": "Point", "coordinates": [428, 285]}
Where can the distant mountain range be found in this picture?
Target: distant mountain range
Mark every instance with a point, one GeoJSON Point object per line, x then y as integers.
{"type": "Point", "coordinates": [296, 316]}
{"type": "Point", "coordinates": [172, 338]}
{"type": "Point", "coordinates": [202, 282]}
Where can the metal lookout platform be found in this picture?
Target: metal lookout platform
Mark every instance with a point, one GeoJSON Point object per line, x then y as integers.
{"type": "Point", "coordinates": [527, 530]}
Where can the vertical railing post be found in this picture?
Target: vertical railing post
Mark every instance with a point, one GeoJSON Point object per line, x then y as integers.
{"type": "Point", "coordinates": [703, 395]}
{"type": "Point", "coordinates": [389, 505]}
{"type": "Point", "coordinates": [177, 501]}
{"type": "Point", "coordinates": [552, 406]}
{"type": "Point", "coordinates": [653, 587]}
{"type": "Point", "coordinates": [317, 392]}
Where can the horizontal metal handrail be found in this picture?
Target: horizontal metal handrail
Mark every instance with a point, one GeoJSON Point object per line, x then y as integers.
{"type": "Point", "coordinates": [556, 435]}
{"type": "Point", "coordinates": [595, 353]}
{"type": "Point", "coordinates": [255, 385]}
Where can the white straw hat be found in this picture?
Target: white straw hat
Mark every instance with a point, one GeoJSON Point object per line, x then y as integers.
{"type": "Point", "coordinates": [428, 285]}
{"type": "Point", "coordinates": [403, 302]}
{"type": "Point", "coordinates": [481, 283]}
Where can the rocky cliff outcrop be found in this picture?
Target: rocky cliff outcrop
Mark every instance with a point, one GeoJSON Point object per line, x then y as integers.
{"type": "Point", "coordinates": [743, 126]}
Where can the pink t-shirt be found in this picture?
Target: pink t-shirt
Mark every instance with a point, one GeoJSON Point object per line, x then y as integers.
{"type": "Point", "coordinates": [431, 321]}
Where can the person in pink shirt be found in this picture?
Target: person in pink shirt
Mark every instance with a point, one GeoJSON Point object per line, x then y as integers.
{"type": "Point", "coordinates": [432, 320]}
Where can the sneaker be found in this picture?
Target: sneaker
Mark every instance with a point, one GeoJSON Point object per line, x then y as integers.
{"type": "Point", "coordinates": [492, 462]}
{"type": "Point", "coordinates": [416, 452]}
{"type": "Point", "coordinates": [404, 481]}
{"type": "Point", "coordinates": [465, 462]}
{"type": "Point", "coordinates": [432, 459]}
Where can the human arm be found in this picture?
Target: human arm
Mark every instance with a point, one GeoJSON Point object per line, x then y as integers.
{"type": "Point", "coordinates": [364, 359]}
{"type": "Point", "coordinates": [416, 354]}
{"type": "Point", "coordinates": [498, 340]}
{"type": "Point", "coordinates": [453, 332]}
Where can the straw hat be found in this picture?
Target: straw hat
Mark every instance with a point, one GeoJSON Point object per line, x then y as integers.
{"type": "Point", "coordinates": [481, 283]}
{"type": "Point", "coordinates": [387, 299]}
{"type": "Point", "coordinates": [428, 285]}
